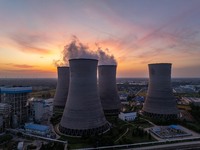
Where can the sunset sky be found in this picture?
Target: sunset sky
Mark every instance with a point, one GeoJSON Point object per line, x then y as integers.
{"type": "Point", "coordinates": [137, 32]}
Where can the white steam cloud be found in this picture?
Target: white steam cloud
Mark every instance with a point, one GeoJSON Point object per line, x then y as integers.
{"type": "Point", "coordinates": [105, 58]}
{"type": "Point", "coordinates": [75, 50]}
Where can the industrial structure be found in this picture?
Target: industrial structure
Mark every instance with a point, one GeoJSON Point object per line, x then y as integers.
{"type": "Point", "coordinates": [5, 116]}
{"type": "Point", "coordinates": [60, 97]}
{"type": "Point", "coordinates": [17, 98]}
{"type": "Point", "coordinates": [37, 129]}
{"type": "Point", "coordinates": [129, 116]}
{"type": "Point", "coordinates": [83, 114]}
{"type": "Point", "coordinates": [160, 102]}
{"type": "Point", "coordinates": [108, 90]}
{"type": "Point", "coordinates": [40, 109]}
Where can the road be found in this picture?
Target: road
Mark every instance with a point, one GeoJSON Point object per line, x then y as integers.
{"type": "Point", "coordinates": [195, 145]}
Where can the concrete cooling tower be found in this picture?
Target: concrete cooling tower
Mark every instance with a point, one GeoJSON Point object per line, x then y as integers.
{"type": "Point", "coordinates": [83, 114]}
{"type": "Point", "coordinates": [108, 90]}
{"type": "Point", "coordinates": [60, 97]}
{"type": "Point", "coordinates": [160, 102]}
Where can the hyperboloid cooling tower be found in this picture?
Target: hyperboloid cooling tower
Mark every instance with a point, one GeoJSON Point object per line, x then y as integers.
{"type": "Point", "coordinates": [108, 90]}
{"type": "Point", "coordinates": [60, 97]}
{"type": "Point", "coordinates": [83, 114]}
{"type": "Point", "coordinates": [160, 102]}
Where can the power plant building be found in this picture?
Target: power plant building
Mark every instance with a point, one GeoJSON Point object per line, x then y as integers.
{"type": "Point", "coordinates": [60, 97]}
{"type": "Point", "coordinates": [5, 116]}
{"type": "Point", "coordinates": [160, 102]}
{"type": "Point", "coordinates": [83, 114]}
{"type": "Point", "coordinates": [17, 98]}
{"type": "Point", "coordinates": [108, 90]}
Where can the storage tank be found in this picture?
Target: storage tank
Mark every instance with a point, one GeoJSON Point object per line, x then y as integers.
{"type": "Point", "coordinates": [108, 89]}
{"type": "Point", "coordinates": [160, 102]}
{"type": "Point", "coordinates": [62, 87]}
{"type": "Point", "coordinates": [83, 114]}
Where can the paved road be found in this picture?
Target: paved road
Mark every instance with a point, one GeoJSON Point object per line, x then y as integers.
{"type": "Point", "coordinates": [175, 146]}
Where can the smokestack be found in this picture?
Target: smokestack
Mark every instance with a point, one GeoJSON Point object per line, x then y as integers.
{"type": "Point", "coordinates": [83, 114]}
{"type": "Point", "coordinates": [108, 90]}
{"type": "Point", "coordinates": [60, 97]}
{"type": "Point", "coordinates": [160, 102]}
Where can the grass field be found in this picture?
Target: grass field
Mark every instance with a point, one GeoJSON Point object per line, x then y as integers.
{"type": "Point", "coordinates": [121, 133]}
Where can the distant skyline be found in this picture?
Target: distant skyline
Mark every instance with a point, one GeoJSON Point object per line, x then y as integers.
{"type": "Point", "coordinates": [137, 32]}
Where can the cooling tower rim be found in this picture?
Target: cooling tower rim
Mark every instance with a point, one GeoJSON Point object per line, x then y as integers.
{"type": "Point", "coordinates": [63, 67]}
{"type": "Point", "coordinates": [107, 65]}
{"type": "Point", "coordinates": [160, 64]}
{"type": "Point", "coordinates": [93, 59]}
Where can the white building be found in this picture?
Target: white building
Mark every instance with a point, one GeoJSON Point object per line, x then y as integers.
{"type": "Point", "coordinates": [20, 146]}
{"type": "Point", "coordinates": [41, 109]}
{"type": "Point", "coordinates": [127, 116]}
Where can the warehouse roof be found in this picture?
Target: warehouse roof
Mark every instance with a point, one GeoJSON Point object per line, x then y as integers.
{"type": "Point", "coordinates": [36, 127]}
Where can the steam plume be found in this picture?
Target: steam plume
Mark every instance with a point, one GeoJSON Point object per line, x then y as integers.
{"type": "Point", "coordinates": [75, 49]}
{"type": "Point", "coordinates": [105, 58]}
{"type": "Point", "coordinates": [60, 63]}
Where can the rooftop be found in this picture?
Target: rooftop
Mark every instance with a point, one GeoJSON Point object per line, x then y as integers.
{"type": "Point", "coordinates": [36, 127]}
{"type": "Point", "coordinates": [15, 90]}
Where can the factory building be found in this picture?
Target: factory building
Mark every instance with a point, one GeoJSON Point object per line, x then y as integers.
{"type": "Point", "coordinates": [61, 94]}
{"type": "Point", "coordinates": [108, 89]}
{"type": "Point", "coordinates": [5, 116]}
{"type": "Point", "coordinates": [17, 98]}
{"type": "Point", "coordinates": [41, 109]}
{"type": "Point", "coordinates": [160, 102]}
{"type": "Point", "coordinates": [129, 116]}
{"type": "Point", "coordinates": [83, 114]}
{"type": "Point", "coordinates": [37, 129]}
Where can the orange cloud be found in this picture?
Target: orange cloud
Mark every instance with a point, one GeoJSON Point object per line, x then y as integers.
{"type": "Point", "coordinates": [20, 65]}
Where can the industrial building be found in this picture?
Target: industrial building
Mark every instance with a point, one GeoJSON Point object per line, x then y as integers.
{"type": "Point", "coordinates": [5, 116]}
{"type": "Point", "coordinates": [129, 116]}
{"type": "Point", "coordinates": [17, 98]}
{"type": "Point", "coordinates": [191, 100]}
{"type": "Point", "coordinates": [160, 102]}
{"type": "Point", "coordinates": [40, 109]}
{"type": "Point", "coordinates": [108, 89]}
{"type": "Point", "coordinates": [37, 129]}
{"type": "Point", "coordinates": [83, 114]}
{"type": "Point", "coordinates": [60, 97]}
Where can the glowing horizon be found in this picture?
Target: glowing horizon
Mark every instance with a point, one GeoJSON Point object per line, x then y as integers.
{"type": "Point", "coordinates": [33, 34]}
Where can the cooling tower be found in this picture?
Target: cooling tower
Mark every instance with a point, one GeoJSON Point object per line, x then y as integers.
{"type": "Point", "coordinates": [83, 114]}
{"type": "Point", "coordinates": [61, 90]}
{"type": "Point", "coordinates": [160, 102]}
{"type": "Point", "coordinates": [108, 89]}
